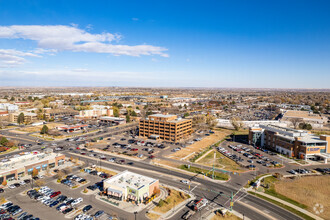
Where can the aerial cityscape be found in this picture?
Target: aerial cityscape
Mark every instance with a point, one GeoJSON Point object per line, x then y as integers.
{"type": "Point", "coordinates": [154, 110]}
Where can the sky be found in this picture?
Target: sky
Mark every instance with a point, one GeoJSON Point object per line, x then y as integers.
{"type": "Point", "coordinates": [165, 43]}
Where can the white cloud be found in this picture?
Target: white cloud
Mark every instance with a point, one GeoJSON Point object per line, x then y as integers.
{"type": "Point", "coordinates": [10, 57]}
{"type": "Point", "coordinates": [80, 70]}
{"type": "Point", "coordinates": [71, 38]}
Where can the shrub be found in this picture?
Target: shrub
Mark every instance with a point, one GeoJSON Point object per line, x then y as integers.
{"type": "Point", "coordinates": [161, 203]}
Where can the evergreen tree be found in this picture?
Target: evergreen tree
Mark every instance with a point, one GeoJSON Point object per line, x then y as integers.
{"type": "Point", "coordinates": [44, 129]}
{"type": "Point", "coordinates": [20, 118]}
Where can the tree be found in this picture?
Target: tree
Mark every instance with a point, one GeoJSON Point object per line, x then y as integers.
{"type": "Point", "coordinates": [60, 174]}
{"type": "Point", "coordinates": [35, 172]}
{"type": "Point", "coordinates": [44, 129]}
{"type": "Point", "coordinates": [295, 122]}
{"type": "Point", "coordinates": [211, 121]}
{"type": "Point", "coordinates": [20, 118]}
{"type": "Point", "coordinates": [197, 120]}
{"type": "Point", "coordinates": [128, 118]}
{"type": "Point", "coordinates": [236, 123]}
{"type": "Point", "coordinates": [115, 111]}
{"type": "Point", "coordinates": [39, 182]}
{"type": "Point", "coordinates": [186, 115]}
{"type": "Point", "coordinates": [3, 141]}
{"type": "Point", "coordinates": [133, 113]}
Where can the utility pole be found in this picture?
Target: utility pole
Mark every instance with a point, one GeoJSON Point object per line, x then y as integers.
{"type": "Point", "coordinates": [231, 201]}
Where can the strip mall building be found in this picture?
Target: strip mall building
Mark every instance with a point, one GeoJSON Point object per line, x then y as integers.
{"type": "Point", "coordinates": [22, 165]}
{"type": "Point", "coordinates": [291, 142]}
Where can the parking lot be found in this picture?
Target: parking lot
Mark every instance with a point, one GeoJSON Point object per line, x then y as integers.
{"type": "Point", "coordinates": [59, 200]}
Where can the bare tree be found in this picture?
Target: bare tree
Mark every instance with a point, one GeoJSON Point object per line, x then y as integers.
{"type": "Point", "coordinates": [211, 121]}
{"type": "Point", "coordinates": [295, 122]}
{"type": "Point", "coordinates": [236, 123]}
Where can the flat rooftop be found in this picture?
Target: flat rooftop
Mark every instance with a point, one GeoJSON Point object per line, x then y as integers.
{"type": "Point", "coordinates": [162, 116]}
{"type": "Point", "coordinates": [19, 161]}
{"type": "Point", "coordinates": [129, 179]}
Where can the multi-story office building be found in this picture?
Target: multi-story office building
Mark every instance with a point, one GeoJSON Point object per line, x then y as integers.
{"type": "Point", "coordinates": [21, 165]}
{"type": "Point", "coordinates": [28, 117]}
{"type": "Point", "coordinates": [165, 127]}
{"type": "Point", "coordinates": [291, 142]}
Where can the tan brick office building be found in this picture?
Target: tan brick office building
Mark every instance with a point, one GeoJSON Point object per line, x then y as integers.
{"type": "Point", "coordinates": [291, 142]}
{"type": "Point", "coordinates": [165, 127]}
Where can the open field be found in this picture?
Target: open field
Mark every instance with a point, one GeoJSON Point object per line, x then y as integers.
{"type": "Point", "coordinates": [31, 129]}
{"type": "Point", "coordinates": [220, 161]}
{"type": "Point", "coordinates": [174, 198]}
{"type": "Point", "coordinates": [201, 145]}
{"type": "Point", "coordinates": [308, 191]}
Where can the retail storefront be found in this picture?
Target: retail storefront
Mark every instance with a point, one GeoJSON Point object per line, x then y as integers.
{"type": "Point", "coordinates": [44, 167]}
{"type": "Point", "coordinates": [114, 194]}
{"type": "Point", "coordinates": [60, 162]}
{"type": "Point", "coordinates": [10, 177]}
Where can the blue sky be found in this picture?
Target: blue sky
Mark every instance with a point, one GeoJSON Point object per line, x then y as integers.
{"type": "Point", "coordinates": [243, 44]}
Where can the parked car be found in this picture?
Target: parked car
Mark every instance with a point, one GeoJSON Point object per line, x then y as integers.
{"type": "Point", "coordinates": [87, 208]}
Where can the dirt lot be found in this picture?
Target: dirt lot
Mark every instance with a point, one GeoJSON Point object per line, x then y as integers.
{"type": "Point", "coordinates": [309, 191]}
{"type": "Point", "coordinates": [220, 161]}
{"type": "Point", "coordinates": [200, 145]}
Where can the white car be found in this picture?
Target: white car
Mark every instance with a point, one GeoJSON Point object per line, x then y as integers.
{"type": "Point", "coordinates": [22, 183]}
{"type": "Point", "coordinates": [184, 181]}
{"type": "Point", "coordinates": [77, 201]}
{"type": "Point", "coordinates": [12, 186]}
{"type": "Point", "coordinates": [111, 160]}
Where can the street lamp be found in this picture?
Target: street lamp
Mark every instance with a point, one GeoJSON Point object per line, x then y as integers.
{"type": "Point", "coordinates": [135, 213]}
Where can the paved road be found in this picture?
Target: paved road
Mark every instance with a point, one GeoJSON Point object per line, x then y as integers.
{"type": "Point", "coordinates": [200, 191]}
{"type": "Point", "coordinates": [206, 188]}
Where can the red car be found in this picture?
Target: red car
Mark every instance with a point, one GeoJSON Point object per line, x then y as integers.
{"type": "Point", "coordinates": [134, 149]}
{"type": "Point", "coordinates": [55, 194]}
{"type": "Point", "coordinates": [151, 156]}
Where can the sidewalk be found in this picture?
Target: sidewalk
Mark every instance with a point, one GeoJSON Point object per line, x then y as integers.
{"type": "Point", "coordinates": [284, 202]}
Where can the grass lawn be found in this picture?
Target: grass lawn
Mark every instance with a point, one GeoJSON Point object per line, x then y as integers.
{"type": "Point", "coordinates": [283, 206]}
{"type": "Point", "coordinates": [153, 216]}
{"type": "Point", "coordinates": [271, 182]}
{"type": "Point", "coordinates": [9, 150]}
{"type": "Point", "coordinates": [217, 175]}
{"type": "Point", "coordinates": [220, 161]}
{"type": "Point", "coordinates": [309, 191]}
{"type": "Point", "coordinates": [228, 216]}
{"type": "Point", "coordinates": [175, 198]}
{"type": "Point", "coordinates": [105, 171]}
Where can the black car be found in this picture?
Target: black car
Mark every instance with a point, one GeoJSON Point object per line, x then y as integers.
{"type": "Point", "coordinates": [67, 210]}
{"type": "Point", "coordinates": [82, 180]}
{"type": "Point", "coordinates": [61, 198]}
{"type": "Point", "coordinates": [1, 190]}
{"type": "Point", "coordinates": [98, 214]}
{"type": "Point", "coordinates": [92, 187]}
{"type": "Point", "coordinates": [87, 208]}
{"type": "Point", "coordinates": [17, 185]}
{"type": "Point", "coordinates": [69, 202]}
{"type": "Point", "coordinates": [27, 181]}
